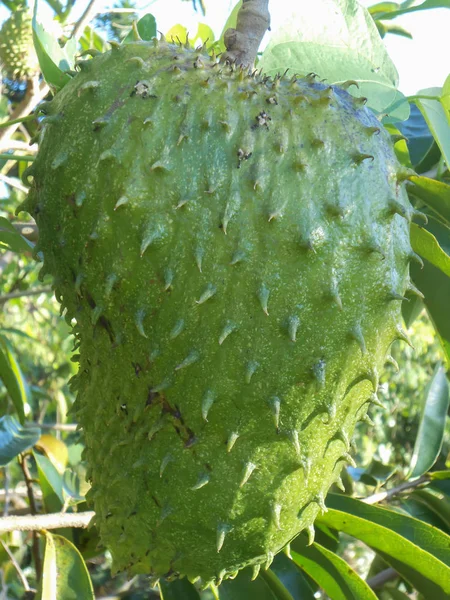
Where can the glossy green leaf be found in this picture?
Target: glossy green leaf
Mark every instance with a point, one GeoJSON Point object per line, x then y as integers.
{"type": "Point", "coordinates": [435, 286]}
{"type": "Point", "coordinates": [436, 502]}
{"type": "Point", "coordinates": [242, 588]}
{"type": "Point", "coordinates": [50, 482]}
{"type": "Point", "coordinates": [53, 60]}
{"type": "Point", "coordinates": [432, 424]}
{"type": "Point", "coordinates": [406, 7]}
{"type": "Point", "coordinates": [436, 118]}
{"type": "Point", "coordinates": [422, 147]}
{"type": "Point", "coordinates": [91, 39]}
{"type": "Point", "coordinates": [425, 244]}
{"type": "Point", "coordinates": [445, 97]}
{"type": "Point", "coordinates": [10, 238]}
{"type": "Point", "coordinates": [12, 378]}
{"type": "Point", "coordinates": [75, 485]}
{"type": "Point", "coordinates": [394, 29]}
{"type": "Point", "coordinates": [146, 27]}
{"type": "Point", "coordinates": [418, 552]}
{"type": "Point", "coordinates": [330, 572]}
{"type": "Point", "coordinates": [435, 194]}
{"type": "Point", "coordinates": [382, 7]}
{"type": "Point", "coordinates": [439, 475]}
{"type": "Point", "coordinates": [422, 512]}
{"type": "Point", "coordinates": [14, 438]}
{"type": "Point", "coordinates": [338, 40]}
{"type": "Point", "coordinates": [65, 575]}
{"type": "Point", "coordinates": [180, 589]}
{"type": "Point", "coordinates": [411, 310]}
{"type": "Point", "coordinates": [290, 577]}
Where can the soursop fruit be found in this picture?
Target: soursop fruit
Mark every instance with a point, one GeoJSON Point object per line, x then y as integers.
{"type": "Point", "coordinates": [18, 58]}
{"type": "Point", "coordinates": [233, 250]}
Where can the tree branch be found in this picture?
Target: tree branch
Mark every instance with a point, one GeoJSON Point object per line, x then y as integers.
{"type": "Point", "coordinates": [16, 565]}
{"type": "Point", "coordinates": [31, 292]}
{"type": "Point", "coordinates": [49, 521]}
{"type": "Point", "coordinates": [407, 485]}
{"type": "Point", "coordinates": [378, 580]}
{"type": "Point", "coordinates": [35, 92]}
{"type": "Point", "coordinates": [86, 17]}
{"type": "Point", "coordinates": [28, 482]}
{"type": "Point", "coordinates": [242, 43]}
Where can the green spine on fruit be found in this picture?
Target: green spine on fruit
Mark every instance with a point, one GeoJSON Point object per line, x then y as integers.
{"type": "Point", "coordinates": [233, 249]}
{"type": "Point", "coordinates": [18, 58]}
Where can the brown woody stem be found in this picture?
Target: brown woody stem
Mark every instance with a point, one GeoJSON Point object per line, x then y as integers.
{"type": "Point", "coordinates": [242, 43]}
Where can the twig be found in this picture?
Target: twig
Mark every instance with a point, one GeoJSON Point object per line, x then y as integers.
{"type": "Point", "coordinates": [31, 292]}
{"type": "Point", "coordinates": [69, 427]}
{"type": "Point", "coordinates": [48, 521]}
{"type": "Point", "coordinates": [378, 580]}
{"type": "Point", "coordinates": [242, 43]}
{"type": "Point", "coordinates": [28, 482]}
{"type": "Point", "coordinates": [28, 230]}
{"type": "Point", "coordinates": [13, 182]}
{"type": "Point", "coordinates": [35, 92]}
{"type": "Point", "coordinates": [407, 485]}
{"type": "Point", "coordinates": [6, 479]}
{"type": "Point", "coordinates": [16, 145]}
{"type": "Point", "coordinates": [17, 157]}
{"type": "Point", "coordinates": [86, 17]}
{"type": "Point", "coordinates": [16, 565]}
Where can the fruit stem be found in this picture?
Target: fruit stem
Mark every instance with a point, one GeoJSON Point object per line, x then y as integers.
{"type": "Point", "coordinates": [242, 43]}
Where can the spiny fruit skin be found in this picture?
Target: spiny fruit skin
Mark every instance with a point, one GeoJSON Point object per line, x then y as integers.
{"type": "Point", "coordinates": [18, 58]}
{"type": "Point", "coordinates": [233, 249]}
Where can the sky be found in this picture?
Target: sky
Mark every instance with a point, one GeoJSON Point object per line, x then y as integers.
{"type": "Point", "coordinates": [422, 62]}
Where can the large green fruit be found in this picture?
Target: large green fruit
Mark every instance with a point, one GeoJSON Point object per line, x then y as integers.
{"type": "Point", "coordinates": [18, 58]}
{"type": "Point", "coordinates": [234, 251]}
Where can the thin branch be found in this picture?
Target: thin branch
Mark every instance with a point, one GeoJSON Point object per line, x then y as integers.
{"type": "Point", "coordinates": [16, 565]}
{"type": "Point", "coordinates": [13, 182]}
{"type": "Point", "coordinates": [31, 292]}
{"type": "Point", "coordinates": [35, 546]}
{"type": "Point", "coordinates": [242, 43]}
{"type": "Point", "coordinates": [16, 145]}
{"type": "Point", "coordinates": [28, 230]}
{"type": "Point", "coordinates": [86, 18]}
{"type": "Point", "coordinates": [17, 157]}
{"type": "Point", "coordinates": [36, 91]}
{"type": "Point", "coordinates": [378, 580]}
{"type": "Point", "coordinates": [386, 495]}
{"type": "Point", "coordinates": [68, 427]}
{"type": "Point", "coordinates": [48, 521]}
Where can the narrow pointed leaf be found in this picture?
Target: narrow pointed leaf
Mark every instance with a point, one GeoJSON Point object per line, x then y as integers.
{"type": "Point", "coordinates": [436, 118]}
{"type": "Point", "coordinates": [435, 194]}
{"type": "Point", "coordinates": [432, 424]}
{"type": "Point", "coordinates": [425, 244]}
{"type": "Point", "coordinates": [15, 439]}
{"type": "Point", "coordinates": [12, 378]}
{"type": "Point", "coordinates": [419, 552]}
{"type": "Point", "coordinates": [242, 588]}
{"type": "Point", "coordinates": [330, 572]}
{"type": "Point", "coordinates": [65, 576]}
{"type": "Point", "coordinates": [10, 238]}
{"type": "Point", "coordinates": [50, 482]}
{"type": "Point", "coordinates": [291, 577]}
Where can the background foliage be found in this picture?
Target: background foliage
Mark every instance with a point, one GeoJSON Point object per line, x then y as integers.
{"type": "Point", "coordinates": [386, 531]}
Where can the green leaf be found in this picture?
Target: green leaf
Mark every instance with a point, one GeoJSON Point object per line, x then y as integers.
{"type": "Point", "coordinates": [50, 482]}
{"type": "Point", "coordinates": [15, 439]}
{"type": "Point", "coordinates": [180, 589]}
{"type": "Point", "coordinates": [385, 28]}
{"type": "Point", "coordinates": [12, 378]}
{"type": "Point", "coordinates": [146, 27]}
{"type": "Point", "coordinates": [440, 475]}
{"type": "Point", "coordinates": [418, 552]}
{"type": "Point", "coordinates": [411, 310]}
{"type": "Point", "coordinates": [382, 7]}
{"type": "Point", "coordinates": [53, 60]}
{"type": "Point", "coordinates": [435, 286]}
{"type": "Point", "coordinates": [65, 575]}
{"type": "Point", "coordinates": [445, 97]}
{"type": "Point", "coordinates": [10, 238]}
{"type": "Point", "coordinates": [75, 486]}
{"type": "Point", "coordinates": [423, 150]}
{"type": "Point", "coordinates": [338, 40]}
{"type": "Point", "coordinates": [330, 572]}
{"type": "Point", "coordinates": [290, 576]}
{"type": "Point", "coordinates": [436, 502]}
{"type": "Point", "coordinates": [242, 588]}
{"type": "Point", "coordinates": [432, 424]}
{"type": "Point", "coordinates": [435, 194]}
{"type": "Point", "coordinates": [425, 244]}
{"type": "Point", "coordinates": [91, 39]}
{"type": "Point", "coordinates": [436, 118]}
{"type": "Point", "coordinates": [405, 7]}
